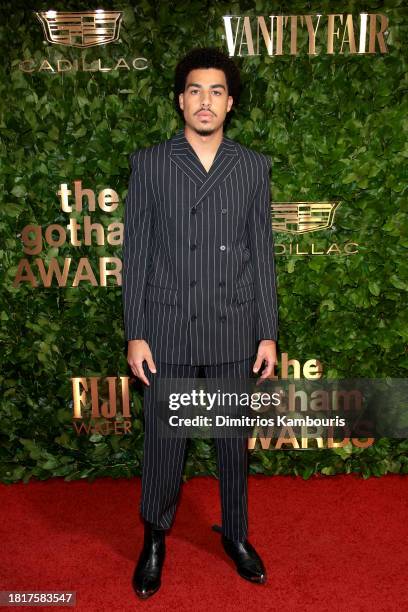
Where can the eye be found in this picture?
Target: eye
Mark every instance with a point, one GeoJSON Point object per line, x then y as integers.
{"type": "Point", "coordinates": [217, 92]}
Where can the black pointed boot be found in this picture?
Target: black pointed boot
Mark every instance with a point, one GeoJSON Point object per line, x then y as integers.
{"type": "Point", "coordinates": [248, 563]}
{"type": "Point", "coordinates": [146, 578]}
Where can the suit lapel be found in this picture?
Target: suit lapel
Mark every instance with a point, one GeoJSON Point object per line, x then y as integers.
{"type": "Point", "coordinates": [183, 154]}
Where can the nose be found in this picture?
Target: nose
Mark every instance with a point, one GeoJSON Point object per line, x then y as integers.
{"type": "Point", "coordinates": [205, 98]}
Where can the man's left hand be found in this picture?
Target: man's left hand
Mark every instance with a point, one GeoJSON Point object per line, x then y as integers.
{"type": "Point", "coordinates": [267, 353]}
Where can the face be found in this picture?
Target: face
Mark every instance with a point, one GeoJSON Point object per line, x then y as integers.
{"type": "Point", "coordinates": [205, 100]}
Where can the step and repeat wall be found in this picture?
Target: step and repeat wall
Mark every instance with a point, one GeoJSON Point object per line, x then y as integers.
{"type": "Point", "coordinates": [84, 84]}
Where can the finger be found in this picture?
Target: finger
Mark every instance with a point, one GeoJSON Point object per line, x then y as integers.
{"type": "Point", "coordinates": [257, 363]}
{"type": "Point", "coordinates": [132, 367]}
{"type": "Point", "coordinates": [151, 364]}
{"type": "Point", "coordinates": [267, 372]}
{"type": "Point", "coordinates": [140, 373]}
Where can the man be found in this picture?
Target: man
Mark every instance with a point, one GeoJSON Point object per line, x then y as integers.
{"type": "Point", "coordinates": [199, 291]}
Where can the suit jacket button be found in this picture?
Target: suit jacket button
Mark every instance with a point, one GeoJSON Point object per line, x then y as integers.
{"type": "Point", "coordinates": [193, 317]}
{"type": "Point", "coordinates": [221, 283]}
{"type": "Point", "coordinates": [222, 247]}
{"type": "Point", "coordinates": [193, 211]}
{"type": "Point", "coordinates": [193, 247]}
{"type": "Point", "coordinates": [224, 211]}
{"type": "Point", "coordinates": [193, 283]}
{"type": "Point", "coordinates": [223, 318]}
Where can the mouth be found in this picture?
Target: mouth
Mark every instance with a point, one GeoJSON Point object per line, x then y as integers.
{"type": "Point", "coordinates": [204, 115]}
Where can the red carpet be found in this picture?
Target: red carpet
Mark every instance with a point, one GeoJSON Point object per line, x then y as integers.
{"type": "Point", "coordinates": [329, 544]}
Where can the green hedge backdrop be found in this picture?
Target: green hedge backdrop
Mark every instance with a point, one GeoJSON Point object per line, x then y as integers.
{"type": "Point", "coordinates": [335, 128]}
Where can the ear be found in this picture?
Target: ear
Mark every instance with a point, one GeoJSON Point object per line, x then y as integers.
{"type": "Point", "coordinates": [230, 103]}
{"type": "Point", "coordinates": [181, 101]}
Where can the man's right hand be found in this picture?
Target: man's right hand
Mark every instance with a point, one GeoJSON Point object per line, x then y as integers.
{"type": "Point", "coordinates": [138, 352]}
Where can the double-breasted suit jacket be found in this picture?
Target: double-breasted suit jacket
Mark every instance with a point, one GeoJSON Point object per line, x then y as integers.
{"type": "Point", "coordinates": [198, 265]}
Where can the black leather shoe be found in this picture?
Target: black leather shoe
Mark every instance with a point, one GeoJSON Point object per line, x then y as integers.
{"type": "Point", "coordinates": [146, 578]}
{"type": "Point", "coordinates": [248, 562]}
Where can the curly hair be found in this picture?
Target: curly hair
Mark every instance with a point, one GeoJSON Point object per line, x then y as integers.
{"type": "Point", "coordinates": [207, 57]}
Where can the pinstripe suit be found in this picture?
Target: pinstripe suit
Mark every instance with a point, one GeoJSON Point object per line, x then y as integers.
{"type": "Point", "coordinates": [198, 265]}
{"type": "Point", "coordinates": [199, 286]}
{"type": "Point", "coordinates": [163, 458]}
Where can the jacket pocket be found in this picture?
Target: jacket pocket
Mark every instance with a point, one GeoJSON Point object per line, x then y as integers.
{"type": "Point", "coordinates": [161, 294]}
{"type": "Point", "coordinates": [244, 293]}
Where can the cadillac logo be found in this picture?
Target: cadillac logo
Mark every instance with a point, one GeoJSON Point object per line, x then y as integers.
{"type": "Point", "coordinates": [302, 217]}
{"type": "Point", "coordinates": [84, 29]}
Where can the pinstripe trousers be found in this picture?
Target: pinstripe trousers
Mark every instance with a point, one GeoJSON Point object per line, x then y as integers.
{"type": "Point", "coordinates": [163, 458]}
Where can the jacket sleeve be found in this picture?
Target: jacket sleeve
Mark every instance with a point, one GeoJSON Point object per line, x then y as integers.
{"type": "Point", "coordinates": [262, 249]}
{"type": "Point", "coordinates": [138, 220]}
